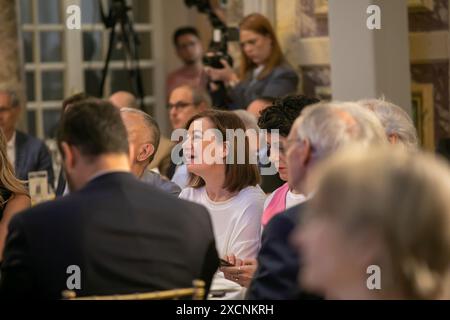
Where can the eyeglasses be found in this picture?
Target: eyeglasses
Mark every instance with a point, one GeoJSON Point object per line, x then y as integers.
{"type": "Point", "coordinates": [185, 46]}
{"type": "Point", "coordinates": [179, 105]}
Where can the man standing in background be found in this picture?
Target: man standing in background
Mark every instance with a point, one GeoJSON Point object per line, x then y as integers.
{"type": "Point", "coordinates": [189, 49]}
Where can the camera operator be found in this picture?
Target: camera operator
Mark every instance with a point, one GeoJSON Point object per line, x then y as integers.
{"type": "Point", "coordinates": [264, 71]}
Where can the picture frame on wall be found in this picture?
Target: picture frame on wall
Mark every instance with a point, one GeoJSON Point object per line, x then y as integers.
{"type": "Point", "coordinates": [321, 6]}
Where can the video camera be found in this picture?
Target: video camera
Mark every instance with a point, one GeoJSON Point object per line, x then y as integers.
{"type": "Point", "coordinates": [218, 49]}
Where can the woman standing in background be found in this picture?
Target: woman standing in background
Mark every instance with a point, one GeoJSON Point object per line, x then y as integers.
{"type": "Point", "coordinates": [263, 71]}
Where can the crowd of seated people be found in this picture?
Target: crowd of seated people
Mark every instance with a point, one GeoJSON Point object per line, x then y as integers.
{"type": "Point", "coordinates": [356, 165]}
{"type": "Point", "coordinates": [136, 211]}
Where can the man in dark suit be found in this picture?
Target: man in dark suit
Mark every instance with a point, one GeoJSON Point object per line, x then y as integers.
{"type": "Point", "coordinates": [278, 261]}
{"type": "Point", "coordinates": [318, 133]}
{"type": "Point", "coordinates": [113, 234]}
{"type": "Point", "coordinates": [25, 152]}
{"type": "Point", "coordinates": [32, 155]}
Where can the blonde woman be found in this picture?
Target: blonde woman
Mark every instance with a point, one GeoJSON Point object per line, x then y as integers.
{"type": "Point", "coordinates": [378, 227]}
{"type": "Point", "coordinates": [13, 194]}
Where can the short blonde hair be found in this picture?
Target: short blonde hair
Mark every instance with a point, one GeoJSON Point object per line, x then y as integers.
{"type": "Point", "coordinates": [405, 200]}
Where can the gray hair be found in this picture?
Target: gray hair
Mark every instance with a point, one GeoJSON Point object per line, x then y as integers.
{"type": "Point", "coordinates": [330, 126]}
{"type": "Point", "coordinates": [395, 121]}
{"type": "Point", "coordinates": [13, 96]}
{"type": "Point", "coordinates": [151, 125]}
{"type": "Point", "coordinates": [248, 119]}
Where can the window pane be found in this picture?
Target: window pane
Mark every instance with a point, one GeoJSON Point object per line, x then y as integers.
{"type": "Point", "coordinates": [141, 11]}
{"type": "Point", "coordinates": [92, 46]}
{"type": "Point", "coordinates": [147, 79]}
{"type": "Point", "coordinates": [148, 107]}
{"type": "Point", "coordinates": [120, 80]}
{"type": "Point", "coordinates": [31, 94]}
{"type": "Point", "coordinates": [28, 45]}
{"type": "Point", "coordinates": [118, 48]}
{"type": "Point", "coordinates": [31, 121]}
{"type": "Point", "coordinates": [49, 11]}
{"type": "Point", "coordinates": [91, 11]}
{"type": "Point", "coordinates": [52, 85]}
{"type": "Point", "coordinates": [145, 46]}
{"type": "Point", "coordinates": [51, 46]}
{"type": "Point", "coordinates": [51, 120]}
{"type": "Point", "coordinates": [26, 14]}
{"type": "Point", "coordinates": [92, 79]}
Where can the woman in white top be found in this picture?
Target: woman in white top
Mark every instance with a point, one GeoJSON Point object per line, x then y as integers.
{"type": "Point", "coordinates": [227, 189]}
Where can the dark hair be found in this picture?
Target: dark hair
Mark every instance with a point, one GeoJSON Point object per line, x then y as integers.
{"type": "Point", "coordinates": [284, 112]}
{"type": "Point", "coordinates": [95, 127]}
{"type": "Point", "coordinates": [184, 31]}
{"type": "Point", "coordinates": [78, 97]}
{"type": "Point", "coordinates": [237, 176]}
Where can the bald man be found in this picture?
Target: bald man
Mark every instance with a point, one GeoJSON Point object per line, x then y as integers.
{"type": "Point", "coordinates": [123, 99]}
{"type": "Point", "coordinates": [259, 105]}
{"type": "Point", "coordinates": [143, 139]}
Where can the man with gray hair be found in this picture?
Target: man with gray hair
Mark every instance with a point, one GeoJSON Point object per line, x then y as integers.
{"type": "Point", "coordinates": [143, 138]}
{"type": "Point", "coordinates": [26, 153]}
{"type": "Point", "coordinates": [320, 131]}
{"type": "Point", "coordinates": [397, 124]}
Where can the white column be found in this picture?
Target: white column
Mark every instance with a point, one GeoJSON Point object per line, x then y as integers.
{"type": "Point", "coordinates": [370, 63]}
{"type": "Point", "coordinates": [161, 40]}
{"type": "Point", "coordinates": [74, 54]}
{"type": "Point", "coordinates": [264, 7]}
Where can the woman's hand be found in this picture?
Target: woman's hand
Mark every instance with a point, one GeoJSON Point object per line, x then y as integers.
{"type": "Point", "coordinates": [242, 272]}
{"type": "Point", "coordinates": [226, 74]}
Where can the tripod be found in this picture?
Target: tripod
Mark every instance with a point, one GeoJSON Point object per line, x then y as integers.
{"type": "Point", "coordinates": [118, 13]}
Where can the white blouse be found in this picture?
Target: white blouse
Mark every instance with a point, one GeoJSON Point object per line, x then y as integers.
{"type": "Point", "coordinates": [236, 222]}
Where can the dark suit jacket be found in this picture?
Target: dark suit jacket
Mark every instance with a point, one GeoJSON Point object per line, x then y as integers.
{"type": "Point", "coordinates": [124, 235]}
{"type": "Point", "coordinates": [278, 262]}
{"type": "Point", "coordinates": [32, 155]}
{"type": "Point", "coordinates": [282, 81]}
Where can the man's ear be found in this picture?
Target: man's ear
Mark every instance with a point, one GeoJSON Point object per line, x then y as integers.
{"type": "Point", "coordinates": [145, 152]}
{"type": "Point", "coordinates": [393, 138]}
{"type": "Point", "coordinates": [68, 155]}
{"type": "Point", "coordinates": [305, 152]}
